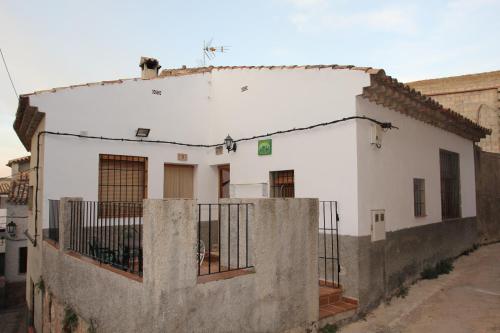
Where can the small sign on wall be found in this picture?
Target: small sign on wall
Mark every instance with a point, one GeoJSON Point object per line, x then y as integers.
{"type": "Point", "coordinates": [182, 157]}
{"type": "Point", "coordinates": [265, 147]}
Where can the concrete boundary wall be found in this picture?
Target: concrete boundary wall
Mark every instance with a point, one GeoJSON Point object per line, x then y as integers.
{"type": "Point", "coordinates": [281, 295]}
{"type": "Point", "coordinates": [373, 271]}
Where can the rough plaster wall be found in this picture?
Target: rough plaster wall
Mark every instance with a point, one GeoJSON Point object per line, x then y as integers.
{"type": "Point", "coordinates": [488, 196]}
{"type": "Point", "coordinates": [280, 296]}
{"type": "Point", "coordinates": [54, 316]}
{"type": "Point", "coordinates": [386, 265]}
{"type": "Point", "coordinates": [35, 253]}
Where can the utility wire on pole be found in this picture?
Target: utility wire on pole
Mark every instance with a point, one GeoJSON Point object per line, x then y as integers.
{"type": "Point", "coordinates": [8, 73]}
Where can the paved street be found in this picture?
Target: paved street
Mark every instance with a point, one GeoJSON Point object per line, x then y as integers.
{"type": "Point", "coordinates": [13, 317]}
{"type": "Point", "coordinates": [12, 320]}
{"type": "Point", "coordinates": [465, 301]}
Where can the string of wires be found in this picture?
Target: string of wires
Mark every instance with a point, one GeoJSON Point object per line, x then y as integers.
{"type": "Point", "coordinates": [8, 73]}
{"type": "Point", "coordinates": [384, 125]}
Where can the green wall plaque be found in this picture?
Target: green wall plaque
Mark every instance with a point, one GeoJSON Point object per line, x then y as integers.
{"type": "Point", "coordinates": [265, 147]}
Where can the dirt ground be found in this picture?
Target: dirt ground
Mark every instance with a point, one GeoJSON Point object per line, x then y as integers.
{"type": "Point", "coordinates": [465, 301]}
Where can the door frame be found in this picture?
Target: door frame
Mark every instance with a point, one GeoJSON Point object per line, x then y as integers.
{"type": "Point", "coordinates": [220, 168]}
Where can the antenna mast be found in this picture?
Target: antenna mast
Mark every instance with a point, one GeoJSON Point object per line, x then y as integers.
{"type": "Point", "coordinates": [210, 51]}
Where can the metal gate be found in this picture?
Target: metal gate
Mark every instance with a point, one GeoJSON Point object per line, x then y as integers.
{"type": "Point", "coordinates": [328, 245]}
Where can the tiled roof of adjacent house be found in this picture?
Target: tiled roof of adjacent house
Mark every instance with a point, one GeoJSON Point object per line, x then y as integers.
{"type": "Point", "coordinates": [19, 160]}
{"type": "Point", "coordinates": [383, 90]}
{"type": "Point", "coordinates": [4, 186]}
{"type": "Point", "coordinates": [20, 189]}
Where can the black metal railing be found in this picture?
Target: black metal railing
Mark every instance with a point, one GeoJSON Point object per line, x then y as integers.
{"type": "Point", "coordinates": [53, 232]}
{"type": "Point", "coordinates": [109, 232]}
{"type": "Point", "coordinates": [328, 245]}
{"type": "Point", "coordinates": [223, 238]}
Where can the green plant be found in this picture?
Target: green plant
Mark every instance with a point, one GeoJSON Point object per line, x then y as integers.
{"type": "Point", "coordinates": [402, 292]}
{"type": "Point", "coordinates": [329, 328]}
{"type": "Point", "coordinates": [469, 251]}
{"type": "Point", "coordinates": [40, 285]}
{"type": "Point", "coordinates": [429, 273]}
{"type": "Point", "coordinates": [442, 267]}
{"type": "Point", "coordinates": [70, 321]}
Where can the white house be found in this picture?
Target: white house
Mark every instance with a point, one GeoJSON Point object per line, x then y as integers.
{"type": "Point", "coordinates": [397, 188]}
{"type": "Point", "coordinates": [13, 223]}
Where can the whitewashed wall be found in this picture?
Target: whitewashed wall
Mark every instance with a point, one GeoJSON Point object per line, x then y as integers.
{"type": "Point", "coordinates": [116, 110]}
{"type": "Point", "coordinates": [386, 174]}
{"type": "Point", "coordinates": [330, 163]}
{"type": "Point", "coordinates": [204, 108]}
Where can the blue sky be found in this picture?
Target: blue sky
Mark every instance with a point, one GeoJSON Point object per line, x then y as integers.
{"type": "Point", "coordinates": [57, 43]}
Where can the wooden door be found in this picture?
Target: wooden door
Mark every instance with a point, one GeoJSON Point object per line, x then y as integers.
{"type": "Point", "coordinates": [224, 181]}
{"type": "Point", "coordinates": [178, 181]}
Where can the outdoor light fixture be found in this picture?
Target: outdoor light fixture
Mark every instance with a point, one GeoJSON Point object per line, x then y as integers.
{"type": "Point", "coordinates": [142, 132]}
{"type": "Point", "coordinates": [229, 143]}
{"type": "Point", "coordinates": [11, 228]}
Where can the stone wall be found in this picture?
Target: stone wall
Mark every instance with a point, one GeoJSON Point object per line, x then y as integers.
{"type": "Point", "coordinates": [280, 294]}
{"type": "Point", "coordinates": [488, 196]}
{"type": "Point", "coordinates": [475, 96]}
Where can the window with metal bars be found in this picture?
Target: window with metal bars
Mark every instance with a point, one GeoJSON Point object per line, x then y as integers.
{"type": "Point", "coordinates": [23, 260]}
{"type": "Point", "coordinates": [122, 178]}
{"type": "Point", "coordinates": [419, 197]}
{"type": "Point", "coordinates": [282, 184]}
{"type": "Point", "coordinates": [450, 184]}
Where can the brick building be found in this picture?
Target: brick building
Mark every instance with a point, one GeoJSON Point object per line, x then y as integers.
{"type": "Point", "coordinates": [475, 96]}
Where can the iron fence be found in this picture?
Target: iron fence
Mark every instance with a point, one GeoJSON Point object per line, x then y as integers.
{"type": "Point", "coordinates": [53, 232]}
{"type": "Point", "coordinates": [329, 248]}
{"type": "Point", "coordinates": [109, 232]}
{"type": "Point", "coordinates": [223, 238]}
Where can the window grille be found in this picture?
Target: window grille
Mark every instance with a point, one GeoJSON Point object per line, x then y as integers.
{"type": "Point", "coordinates": [450, 184]}
{"type": "Point", "coordinates": [282, 184]}
{"type": "Point", "coordinates": [419, 197]}
{"type": "Point", "coordinates": [122, 178]}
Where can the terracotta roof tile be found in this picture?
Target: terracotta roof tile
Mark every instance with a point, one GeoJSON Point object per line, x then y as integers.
{"type": "Point", "coordinates": [4, 187]}
{"type": "Point", "coordinates": [20, 189]}
{"type": "Point", "coordinates": [18, 160]}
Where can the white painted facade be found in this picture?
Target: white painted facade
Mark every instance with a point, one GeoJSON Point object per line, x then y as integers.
{"type": "Point", "coordinates": [330, 163]}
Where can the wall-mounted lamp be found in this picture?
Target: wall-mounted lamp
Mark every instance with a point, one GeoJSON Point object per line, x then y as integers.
{"type": "Point", "coordinates": [230, 144]}
{"type": "Point", "coordinates": [142, 132]}
{"type": "Point", "coordinates": [11, 228]}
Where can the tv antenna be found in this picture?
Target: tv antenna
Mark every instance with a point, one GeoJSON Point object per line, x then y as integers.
{"type": "Point", "coordinates": [210, 51]}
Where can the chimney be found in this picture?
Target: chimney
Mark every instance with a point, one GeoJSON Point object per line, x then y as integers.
{"type": "Point", "coordinates": [149, 67]}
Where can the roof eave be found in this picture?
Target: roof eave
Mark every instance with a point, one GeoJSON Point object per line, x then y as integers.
{"type": "Point", "coordinates": [387, 91]}
{"type": "Point", "coordinates": [27, 120]}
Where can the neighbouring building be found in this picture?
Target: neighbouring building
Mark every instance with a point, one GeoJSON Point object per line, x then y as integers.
{"type": "Point", "coordinates": [477, 97]}
{"type": "Point", "coordinates": [392, 167]}
{"type": "Point", "coordinates": [13, 223]}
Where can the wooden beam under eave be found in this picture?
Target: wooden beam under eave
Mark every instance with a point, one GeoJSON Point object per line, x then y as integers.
{"type": "Point", "coordinates": [28, 114]}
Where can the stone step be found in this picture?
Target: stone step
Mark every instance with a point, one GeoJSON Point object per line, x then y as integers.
{"type": "Point", "coordinates": [335, 309]}
{"type": "Point", "coordinates": [329, 295]}
{"type": "Point", "coordinates": [333, 306]}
